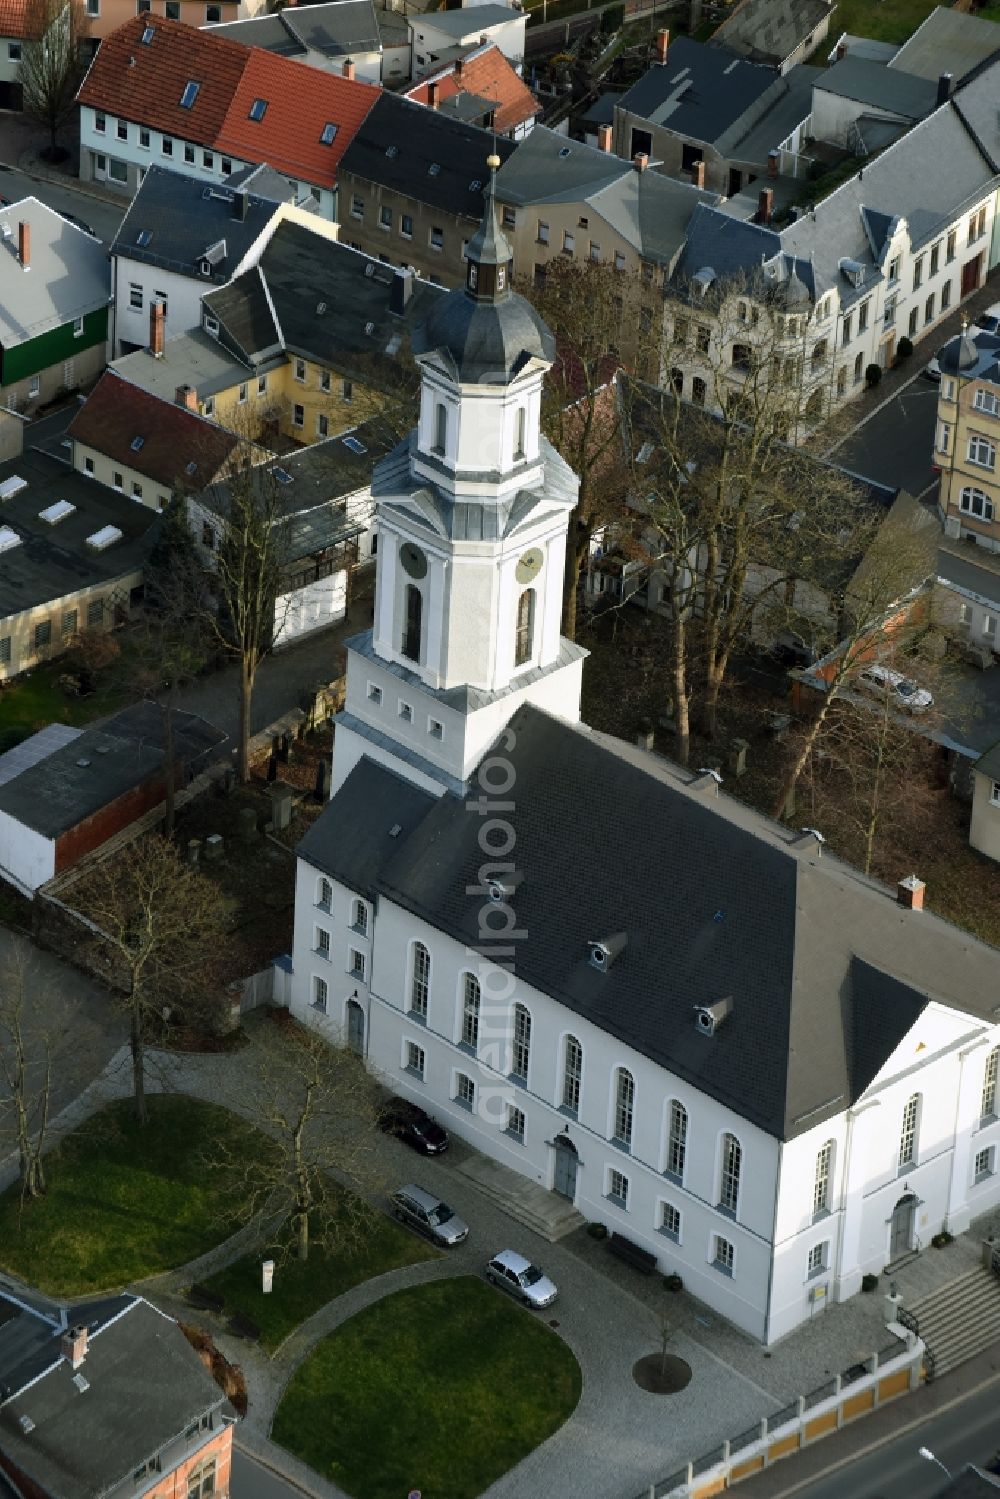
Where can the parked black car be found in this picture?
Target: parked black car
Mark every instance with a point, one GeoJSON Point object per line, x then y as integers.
{"type": "Point", "coordinates": [409, 1123]}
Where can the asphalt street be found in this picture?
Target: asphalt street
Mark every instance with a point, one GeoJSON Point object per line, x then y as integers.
{"type": "Point", "coordinates": [103, 218]}
{"type": "Point", "coordinates": [251, 1480]}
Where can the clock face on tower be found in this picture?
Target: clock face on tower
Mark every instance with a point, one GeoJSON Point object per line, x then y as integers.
{"type": "Point", "coordinates": [413, 560]}
{"type": "Point", "coordinates": [529, 565]}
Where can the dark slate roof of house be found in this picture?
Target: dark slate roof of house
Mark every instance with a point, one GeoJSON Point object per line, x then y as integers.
{"type": "Point", "coordinates": [145, 1385]}
{"type": "Point", "coordinates": [770, 30]}
{"type": "Point", "coordinates": [55, 561]}
{"type": "Point", "coordinates": [324, 301]}
{"type": "Point", "coordinates": [772, 117]}
{"type": "Point", "coordinates": [989, 762]}
{"type": "Point", "coordinates": [699, 92]}
{"type": "Point", "coordinates": [400, 142]}
{"type": "Point", "coordinates": [102, 764]}
{"type": "Point", "coordinates": [948, 41]}
{"type": "Point", "coordinates": [866, 82]}
{"type": "Point", "coordinates": [173, 220]}
{"type": "Point", "coordinates": [826, 971]}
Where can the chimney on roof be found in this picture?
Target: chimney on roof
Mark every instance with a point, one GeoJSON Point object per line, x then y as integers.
{"type": "Point", "coordinates": [910, 893]}
{"type": "Point", "coordinates": [24, 244]}
{"type": "Point", "coordinates": [765, 205]}
{"type": "Point", "coordinates": [773, 163]}
{"type": "Point", "coordinates": [662, 44]}
{"type": "Point", "coordinates": [401, 289]}
{"type": "Point", "coordinates": [698, 174]}
{"type": "Point", "coordinates": [944, 89]}
{"type": "Point", "coordinates": [434, 95]}
{"type": "Point", "coordinates": [640, 161]}
{"type": "Point", "coordinates": [157, 328]}
{"type": "Point", "coordinates": [186, 396]}
{"type": "Point", "coordinates": [74, 1346]}
{"type": "Point", "coordinates": [457, 69]}
{"type": "Point", "coordinates": [240, 206]}
{"type": "Point", "coordinates": [604, 137]}
{"type": "Point", "coordinates": [348, 68]}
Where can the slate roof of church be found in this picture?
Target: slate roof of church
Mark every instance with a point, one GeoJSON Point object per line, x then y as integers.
{"type": "Point", "coordinates": [827, 972]}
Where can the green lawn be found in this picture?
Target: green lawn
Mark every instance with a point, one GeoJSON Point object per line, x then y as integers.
{"type": "Point", "coordinates": [885, 20]}
{"type": "Point", "coordinates": [302, 1287]}
{"type": "Point", "coordinates": [124, 1202]}
{"type": "Point", "coordinates": [36, 700]}
{"type": "Point", "coordinates": [441, 1388]}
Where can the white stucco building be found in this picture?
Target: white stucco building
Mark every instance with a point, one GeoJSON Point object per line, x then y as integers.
{"type": "Point", "coordinates": [741, 1055]}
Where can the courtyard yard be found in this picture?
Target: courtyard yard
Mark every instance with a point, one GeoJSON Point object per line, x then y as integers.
{"type": "Point", "coordinates": [486, 1382]}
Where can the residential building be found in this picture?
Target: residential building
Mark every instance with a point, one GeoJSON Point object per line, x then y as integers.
{"type": "Point", "coordinates": [411, 187]}
{"type": "Point", "coordinates": [984, 828]}
{"type": "Point", "coordinates": [778, 33]}
{"type": "Point", "coordinates": [714, 118]}
{"type": "Point", "coordinates": [324, 496]}
{"type": "Point", "coordinates": [561, 198]}
{"type": "Point", "coordinates": [120, 1367]}
{"type": "Point", "coordinates": [481, 88]}
{"type": "Point", "coordinates": [862, 105]}
{"type": "Point", "coordinates": [146, 448]}
{"type": "Point", "coordinates": [178, 241]}
{"type": "Point", "coordinates": [354, 38]}
{"type": "Point", "coordinates": [571, 991]}
{"type": "Point", "coordinates": [72, 553]}
{"type": "Point", "coordinates": [966, 437]}
{"type": "Point", "coordinates": [948, 41]}
{"type": "Point", "coordinates": [160, 91]}
{"type": "Point", "coordinates": [53, 306]}
{"type": "Point", "coordinates": [65, 792]}
{"type": "Point", "coordinates": [438, 36]}
{"type": "Point", "coordinates": [323, 331]}
{"type": "Point", "coordinates": [101, 18]}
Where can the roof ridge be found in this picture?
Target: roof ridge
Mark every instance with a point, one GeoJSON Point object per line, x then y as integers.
{"type": "Point", "coordinates": [270, 303]}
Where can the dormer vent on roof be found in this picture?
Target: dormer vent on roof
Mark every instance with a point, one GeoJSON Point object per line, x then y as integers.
{"type": "Point", "coordinates": [503, 887]}
{"type": "Point", "coordinates": [603, 951]}
{"type": "Point", "coordinates": [703, 279]}
{"type": "Point", "coordinates": [853, 270]}
{"type": "Point", "coordinates": [708, 1018]}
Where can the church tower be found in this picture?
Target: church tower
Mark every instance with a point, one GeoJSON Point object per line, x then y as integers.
{"type": "Point", "coordinates": [472, 512]}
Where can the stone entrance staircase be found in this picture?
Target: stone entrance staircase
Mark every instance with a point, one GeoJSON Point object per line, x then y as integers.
{"type": "Point", "coordinates": [960, 1319]}
{"type": "Point", "coordinates": [546, 1213]}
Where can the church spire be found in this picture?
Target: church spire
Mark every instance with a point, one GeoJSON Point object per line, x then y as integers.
{"type": "Point", "coordinates": [489, 253]}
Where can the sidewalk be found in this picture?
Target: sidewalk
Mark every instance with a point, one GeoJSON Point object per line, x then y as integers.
{"type": "Point", "coordinates": [21, 145]}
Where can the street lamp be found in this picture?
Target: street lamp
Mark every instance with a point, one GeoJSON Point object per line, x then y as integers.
{"type": "Point", "coordinates": [925, 1452]}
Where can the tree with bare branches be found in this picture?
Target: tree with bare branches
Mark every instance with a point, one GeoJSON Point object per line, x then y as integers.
{"type": "Point", "coordinates": [51, 65]}
{"type": "Point", "coordinates": [318, 1105]}
{"type": "Point", "coordinates": [158, 922]}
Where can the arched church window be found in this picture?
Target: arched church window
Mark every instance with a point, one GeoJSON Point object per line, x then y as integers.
{"type": "Point", "coordinates": [525, 640]}
{"type": "Point", "coordinates": [440, 427]}
{"type": "Point", "coordinates": [520, 432]}
{"type": "Point", "coordinates": [412, 622]}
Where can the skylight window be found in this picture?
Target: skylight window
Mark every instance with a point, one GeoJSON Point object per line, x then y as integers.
{"type": "Point", "coordinates": [258, 109]}
{"type": "Point", "coordinates": [369, 329]}
{"type": "Point", "coordinates": [143, 238]}
{"type": "Point", "coordinates": [391, 152]}
{"type": "Point", "coordinates": [148, 34]}
{"type": "Point", "coordinates": [191, 468]}
{"type": "Point", "coordinates": [565, 151]}
{"type": "Point", "coordinates": [12, 486]}
{"type": "Point", "coordinates": [434, 169]}
{"type": "Point", "coordinates": [57, 512]}
{"type": "Point", "coordinates": [354, 445]}
{"type": "Point", "coordinates": [137, 443]}
{"type": "Point", "coordinates": [328, 134]}
{"type": "Point", "coordinates": [8, 539]}
{"type": "Point", "coordinates": [104, 538]}
{"type": "Point", "coordinates": [282, 475]}
{"type": "Point", "coordinates": [190, 94]}
{"type": "Point", "coordinates": [475, 185]}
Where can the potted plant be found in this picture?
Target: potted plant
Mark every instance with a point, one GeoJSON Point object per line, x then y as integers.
{"type": "Point", "coordinates": [869, 1282]}
{"type": "Point", "coordinates": [940, 1239]}
{"type": "Point", "coordinates": [673, 1282]}
{"type": "Point", "coordinates": [597, 1230]}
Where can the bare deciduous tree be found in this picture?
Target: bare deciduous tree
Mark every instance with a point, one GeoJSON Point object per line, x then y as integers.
{"type": "Point", "coordinates": [160, 922]}
{"type": "Point", "coordinates": [28, 1050]}
{"type": "Point", "coordinates": [317, 1104]}
{"type": "Point", "coordinates": [51, 65]}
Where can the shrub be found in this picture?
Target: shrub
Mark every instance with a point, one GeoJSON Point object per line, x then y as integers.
{"type": "Point", "coordinates": [673, 1282]}
{"type": "Point", "coordinates": [904, 349]}
{"type": "Point", "coordinates": [597, 1230]}
{"type": "Point", "coordinates": [612, 18]}
{"type": "Point", "coordinates": [873, 374]}
{"type": "Point", "coordinates": [869, 1282]}
{"type": "Point", "coordinates": [941, 1239]}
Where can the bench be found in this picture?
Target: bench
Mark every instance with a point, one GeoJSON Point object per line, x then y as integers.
{"type": "Point", "coordinates": [641, 1259]}
{"type": "Point", "coordinates": [242, 1327]}
{"type": "Point", "coordinates": [208, 1301]}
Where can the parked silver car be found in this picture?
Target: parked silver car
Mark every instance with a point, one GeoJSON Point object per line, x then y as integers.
{"type": "Point", "coordinates": [521, 1278]}
{"type": "Point", "coordinates": [429, 1215]}
{"type": "Point", "coordinates": [902, 691]}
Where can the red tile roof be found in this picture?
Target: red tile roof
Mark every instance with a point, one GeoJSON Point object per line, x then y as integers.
{"type": "Point", "coordinates": [20, 18]}
{"type": "Point", "coordinates": [486, 73]}
{"type": "Point", "coordinates": [144, 81]}
{"type": "Point", "coordinates": [300, 101]}
{"type": "Point", "coordinates": [116, 412]}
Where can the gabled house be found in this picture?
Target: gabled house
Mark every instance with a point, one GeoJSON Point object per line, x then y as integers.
{"type": "Point", "coordinates": [141, 446]}
{"type": "Point", "coordinates": [439, 36]}
{"type": "Point", "coordinates": [354, 38]}
{"type": "Point", "coordinates": [54, 293]}
{"type": "Point", "coordinates": [105, 1399]}
{"type": "Point", "coordinates": [72, 553]}
{"type": "Point", "coordinates": [179, 239]}
{"type": "Point", "coordinates": [778, 33]}
{"type": "Point", "coordinates": [160, 91]}
{"type": "Point", "coordinates": [863, 106]}
{"type": "Point", "coordinates": [412, 183]}
{"type": "Point", "coordinates": [482, 89]}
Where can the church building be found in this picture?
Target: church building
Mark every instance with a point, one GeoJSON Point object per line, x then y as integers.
{"type": "Point", "coordinates": [594, 966]}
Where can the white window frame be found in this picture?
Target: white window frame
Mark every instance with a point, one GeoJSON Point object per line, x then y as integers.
{"type": "Point", "coordinates": [816, 1261]}
{"type": "Point", "coordinates": [617, 1188]}
{"type": "Point", "coordinates": [671, 1221]}
{"type": "Point", "coordinates": [515, 1126]}
{"type": "Point", "coordinates": [678, 1121]}
{"type": "Point", "coordinates": [909, 1134]}
{"type": "Point", "coordinates": [357, 966]}
{"type": "Point", "coordinates": [623, 1119]}
{"type": "Point", "coordinates": [730, 1173]}
{"type": "Point", "coordinates": [324, 893]}
{"type": "Point", "coordinates": [320, 994]}
{"type": "Point", "coordinates": [723, 1256]}
{"type": "Point", "coordinates": [988, 1099]}
{"type": "Point", "coordinates": [420, 980]}
{"type": "Point", "coordinates": [414, 1059]}
{"type": "Point", "coordinates": [321, 943]}
{"type": "Point", "coordinates": [823, 1179]}
{"type": "Point", "coordinates": [572, 1074]}
{"type": "Point", "coordinates": [982, 1166]}
{"type": "Point", "coordinates": [465, 1092]}
{"type": "Point", "coordinates": [520, 1043]}
{"type": "Point", "coordinates": [981, 451]}
{"type": "Point", "coordinates": [471, 1010]}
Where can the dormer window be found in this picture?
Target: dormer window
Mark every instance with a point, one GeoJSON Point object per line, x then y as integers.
{"type": "Point", "coordinates": [190, 94]}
